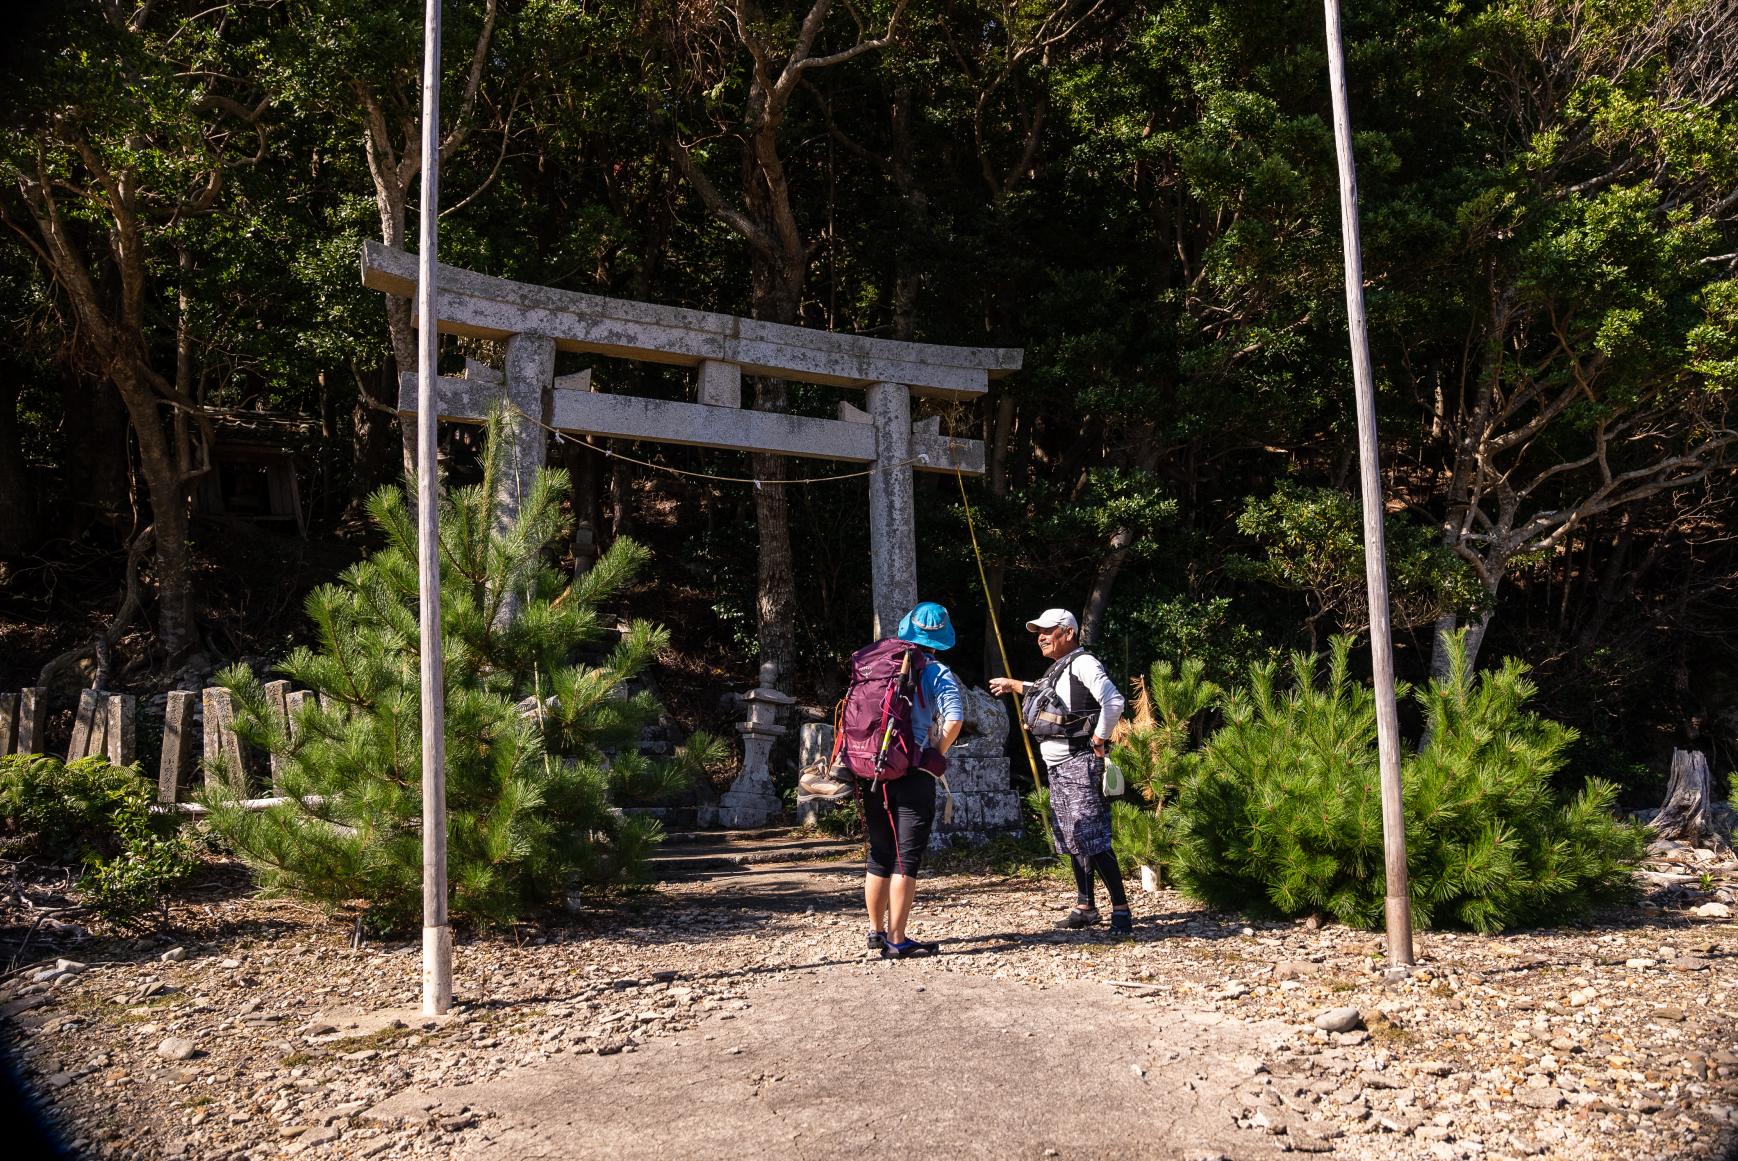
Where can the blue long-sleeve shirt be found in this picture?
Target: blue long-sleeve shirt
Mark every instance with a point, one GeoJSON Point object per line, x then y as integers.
{"type": "Point", "coordinates": [938, 702]}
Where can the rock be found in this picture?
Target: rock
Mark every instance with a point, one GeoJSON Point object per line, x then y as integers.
{"type": "Point", "coordinates": [1340, 1020]}
{"type": "Point", "coordinates": [1234, 990]}
{"type": "Point", "coordinates": [1540, 1098]}
{"type": "Point", "coordinates": [1712, 911]}
{"type": "Point", "coordinates": [1291, 969]}
{"type": "Point", "coordinates": [1296, 1142]}
{"type": "Point", "coordinates": [174, 955]}
{"type": "Point", "coordinates": [1668, 1012]}
{"type": "Point", "coordinates": [176, 1048]}
{"type": "Point", "coordinates": [70, 965]}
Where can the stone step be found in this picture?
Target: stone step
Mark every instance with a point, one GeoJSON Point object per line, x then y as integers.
{"type": "Point", "coordinates": [746, 836]}
{"type": "Point", "coordinates": [705, 855]}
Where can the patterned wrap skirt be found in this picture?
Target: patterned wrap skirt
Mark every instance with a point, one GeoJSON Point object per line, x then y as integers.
{"type": "Point", "coordinates": [1079, 814]}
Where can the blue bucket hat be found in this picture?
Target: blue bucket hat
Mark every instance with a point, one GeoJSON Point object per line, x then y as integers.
{"type": "Point", "coordinates": [927, 625]}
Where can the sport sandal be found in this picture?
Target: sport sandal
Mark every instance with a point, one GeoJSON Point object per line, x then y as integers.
{"type": "Point", "coordinates": [906, 948]}
{"type": "Point", "coordinates": [877, 940]}
{"type": "Point", "coordinates": [1079, 917]}
{"type": "Point", "coordinates": [1122, 923]}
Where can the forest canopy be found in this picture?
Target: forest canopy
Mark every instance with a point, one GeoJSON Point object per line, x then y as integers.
{"type": "Point", "coordinates": [1141, 196]}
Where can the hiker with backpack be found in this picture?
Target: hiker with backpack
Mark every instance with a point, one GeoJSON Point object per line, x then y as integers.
{"type": "Point", "coordinates": [901, 713]}
{"type": "Point", "coordinates": [1072, 710]}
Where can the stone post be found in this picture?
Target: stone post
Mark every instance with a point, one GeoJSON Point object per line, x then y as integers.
{"type": "Point", "coordinates": [85, 722]}
{"type": "Point", "coordinates": [751, 801]}
{"type": "Point", "coordinates": [277, 697]}
{"type": "Point", "coordinates": [223, 753]}
{"type": "Point", "coordinates": [32, 719]}
{"type": "Point", "coordinates": [892, 527]}
{"type": "Point", "coordinates": [177, 744]}
{"type": "Point", "coordinates": [123, 735]}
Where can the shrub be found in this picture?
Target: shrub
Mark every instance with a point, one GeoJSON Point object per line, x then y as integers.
{"type": "Point", "coordinates": [538, 746]}
{"type": "Point", "coordinates": [91, 813]}
{"type": "Point", "coordinates": [1283, 810]}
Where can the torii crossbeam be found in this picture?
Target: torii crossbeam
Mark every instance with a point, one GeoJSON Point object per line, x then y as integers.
{"type": "Point", "coordinates": [536, 321]}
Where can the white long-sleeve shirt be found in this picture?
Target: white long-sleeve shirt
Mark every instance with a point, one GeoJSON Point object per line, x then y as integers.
{"type": "Point", "coordinates": [1087, 672]}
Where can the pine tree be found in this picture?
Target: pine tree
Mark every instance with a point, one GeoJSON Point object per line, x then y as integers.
{"type": "Point", "coordinates": [1282, 810]}
{"type": "Point", "coordinates": [538, 743]}
{"type": "Point", "coordinates": [1152, 745]}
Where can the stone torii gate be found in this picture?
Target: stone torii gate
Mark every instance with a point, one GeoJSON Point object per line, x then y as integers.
{"type": "Point", "coordinates": [536, 321]}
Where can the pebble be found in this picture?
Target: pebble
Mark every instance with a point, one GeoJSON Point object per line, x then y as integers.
{"type": "Point", "coordinates": [176, 1048]}
{"type": "Point", "coordinates": [1621, 1075]}
{"type": "Point", "coordinates": [174, 955]}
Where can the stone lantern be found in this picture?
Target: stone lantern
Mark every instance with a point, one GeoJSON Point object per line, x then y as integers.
{"type": "Point", "coordinates": [751, 801]}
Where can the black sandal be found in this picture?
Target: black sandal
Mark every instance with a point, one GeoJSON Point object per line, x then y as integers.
{"type": "Point", "coordinates": [906, 948]}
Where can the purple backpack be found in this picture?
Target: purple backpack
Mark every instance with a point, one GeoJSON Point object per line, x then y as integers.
{"type": "Point", "coordinates": [874, 735]}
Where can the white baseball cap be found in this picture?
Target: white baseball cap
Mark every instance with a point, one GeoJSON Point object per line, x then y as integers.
{"type": "Point", "coordinates": [1052, 618]}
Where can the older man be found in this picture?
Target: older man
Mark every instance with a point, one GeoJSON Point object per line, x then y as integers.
{"type": "Point", "coordinates": [1072, 710]}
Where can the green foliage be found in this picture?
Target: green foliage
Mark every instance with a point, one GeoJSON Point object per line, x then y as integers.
{"type": "Point", "coordinates": [538, 746]}
{"type": "Point", "coordinates": [1154, 747]}
{"type": "Point", "coordinates": [99, 815]}
{"type": "Point", "coordinates": [1314, 539]}
{"type": "Point", "coordinates": [1283, 810]}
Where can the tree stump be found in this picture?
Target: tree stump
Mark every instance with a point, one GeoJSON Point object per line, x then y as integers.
{"type": "Point", "coordinates": [1686, 816]}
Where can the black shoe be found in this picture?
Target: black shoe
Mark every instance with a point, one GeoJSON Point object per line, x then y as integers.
{"type": "Point", "coordinates": [877, 940]}
{"type": "Point", "coordinates": [1122, 923]}
{"type": "Point", "coordinates": [1078, 918]}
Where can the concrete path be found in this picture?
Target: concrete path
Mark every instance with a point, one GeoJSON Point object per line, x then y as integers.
{"type": "Point", "coordinates": [904, 1060]}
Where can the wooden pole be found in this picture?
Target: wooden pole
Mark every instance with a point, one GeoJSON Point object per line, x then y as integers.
{"type": "Point", "coordinates": [437, 936]}
{"type": "Point", "coordinates": [1398, 904]}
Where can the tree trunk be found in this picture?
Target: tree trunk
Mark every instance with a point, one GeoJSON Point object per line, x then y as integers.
{"type": "Point", "coordinates": [378, 432]}
{"type": "Point", "coordinates": [166, 481]}
{"type": "Point", "coordinates": [776, 297]}
{"type": "Point", "coordinates": [1685, 816]}
{"type": "Point", "coordinates": [96, 454]}
{"type": "Point", "coordinates": [997, 438]}
{"type": "Point", "coordinates": [17, 514]}
{"type": "Point", "coordinates": [1092, 618]}
{"type": "Point", "coordinates": [775, 591]}
{"type": "Point", "coordinates": [1475, 630]}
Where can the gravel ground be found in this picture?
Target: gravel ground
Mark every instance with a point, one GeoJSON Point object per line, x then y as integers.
{"type": "Point", "coordinates": [240, 1037]}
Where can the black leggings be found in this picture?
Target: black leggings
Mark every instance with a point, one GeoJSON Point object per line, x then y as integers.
{"type": "Point", "coordinates": [1105, 864]}
{"type": "Point", "coordinates": [898, 840]}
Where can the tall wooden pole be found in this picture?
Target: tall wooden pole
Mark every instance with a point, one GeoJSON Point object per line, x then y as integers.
{"type": "Point", "coordinates": [1398, 902]}
{"type": "Point", "coordinates": [437, 936]}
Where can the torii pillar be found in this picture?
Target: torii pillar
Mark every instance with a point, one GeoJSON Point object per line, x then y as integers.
{"type": "Point", "coordinates": [892, 517]}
